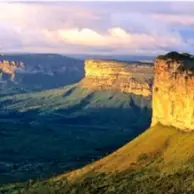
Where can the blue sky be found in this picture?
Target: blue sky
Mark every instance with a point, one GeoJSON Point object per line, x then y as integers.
{"type": "Point", "coordinates": [97, 27]}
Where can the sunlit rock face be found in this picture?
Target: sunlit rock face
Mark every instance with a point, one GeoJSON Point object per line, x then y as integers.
{"type": "Point", "coordinates": [129, 78]}
{"type": "Point", "coordinates": [8, 69]}
{"type": "Point", "coordinates": [173, 91]}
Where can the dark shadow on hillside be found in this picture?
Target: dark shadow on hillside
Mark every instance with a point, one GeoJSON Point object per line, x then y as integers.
{"type": "Point", "coordinates": [69, 92]}
{"type": "Point", "coordinates": [77, 107]}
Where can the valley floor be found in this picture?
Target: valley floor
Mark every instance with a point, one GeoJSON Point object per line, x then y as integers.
{"type": "Point", "coordinates": [160, 161]}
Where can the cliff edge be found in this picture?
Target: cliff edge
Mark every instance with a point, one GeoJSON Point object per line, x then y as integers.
{"type": "Point", "coordinates": [173, 91]}
{"type": "Point", "coordinates": [128, 78]}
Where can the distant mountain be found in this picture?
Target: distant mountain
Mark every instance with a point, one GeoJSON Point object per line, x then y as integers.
{"type": "Point", "coordinates": [35, 72]}
{"type": "Point", "coordinates": [127, 58]}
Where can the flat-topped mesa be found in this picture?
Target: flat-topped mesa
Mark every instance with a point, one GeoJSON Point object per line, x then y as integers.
{"type": "Point", "coordinates": [173, 91]}
{"type": "Point", "coordinates": [128, 78]}
{"type": "Point", "coordinates": [9, 68]}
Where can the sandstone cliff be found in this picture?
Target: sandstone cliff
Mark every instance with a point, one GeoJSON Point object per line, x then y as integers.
{"type": "Point", "coordinates": [173, 91]}
{"type": "Point", "coordinates": [9, 68]}
{"type": "Point", "coordinates": [128, 78]}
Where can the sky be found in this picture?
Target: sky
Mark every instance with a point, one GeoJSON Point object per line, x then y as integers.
{"type": "Point", "coordinates": [112, 28]}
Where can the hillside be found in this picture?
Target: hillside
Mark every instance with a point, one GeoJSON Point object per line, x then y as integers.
{"type": "Point", "coordinates": [76, 105]}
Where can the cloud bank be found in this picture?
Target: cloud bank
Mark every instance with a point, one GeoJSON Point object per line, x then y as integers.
{"type": "Point", "coordinates": [97, 27]}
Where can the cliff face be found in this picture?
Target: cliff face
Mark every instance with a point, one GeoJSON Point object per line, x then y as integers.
{"type": "Point", "coordinates": [9, 68]}
{"type": "Point", "coordinates": [128, 78]}
{"type": "Point", "coordinates": [173, 91]}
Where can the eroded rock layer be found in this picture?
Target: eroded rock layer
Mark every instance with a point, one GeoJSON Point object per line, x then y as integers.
{"type": "Point", "coordinates": [173, 91]}
{"type": "Point", "coordinates": [8, 68]}
{"type": "Point", "coordinates": [129, 78]}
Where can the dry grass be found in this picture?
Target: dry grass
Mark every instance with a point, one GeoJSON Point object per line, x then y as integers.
{"type": "Point", "coordinates": [174, 146]}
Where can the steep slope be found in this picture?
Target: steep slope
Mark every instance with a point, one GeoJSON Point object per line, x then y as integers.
{"type": "Point", "coordinates": [173, 148]}
{"type": "Point", "coordinates": [160, 160]}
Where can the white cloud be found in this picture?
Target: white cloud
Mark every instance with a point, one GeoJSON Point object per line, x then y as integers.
{"type": "Point", "coordinates": [73, 27]}
{"type": "Point", "coordinates": [117, 39]}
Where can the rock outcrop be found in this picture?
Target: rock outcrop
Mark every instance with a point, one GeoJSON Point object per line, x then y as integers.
{"type": "Point", "coordinates": [8, 69]}
{"type": "Point", "coordinates": [128, 78]}
{"type": "Point", "coordinates": [173, 91]}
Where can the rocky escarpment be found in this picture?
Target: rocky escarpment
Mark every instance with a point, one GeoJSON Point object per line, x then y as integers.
{"type": "Point", "coordinates": [173, 91]}
{"type": "Point", "coordinates": [8, 68]}
{"type": "Point", "coordinates": [129, 78]}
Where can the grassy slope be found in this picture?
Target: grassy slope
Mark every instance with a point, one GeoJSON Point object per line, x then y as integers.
{"type": "Point", "coordinates": [161, 160]}
{"type": "Point", "coordinates": [74, 104]}
{"type": "Point", "coordinates": [64, 97]}
{"type": "Point", "coordinates": [174, 147]}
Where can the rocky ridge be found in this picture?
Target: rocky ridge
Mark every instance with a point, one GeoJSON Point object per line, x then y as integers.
{"type": "Point", "coordinates": [173, 96]}
{"type": "Point", "coordinates": [125, 77]}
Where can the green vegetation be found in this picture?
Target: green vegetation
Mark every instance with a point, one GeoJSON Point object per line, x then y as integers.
{"type": "Point", "coordinates": [76, 105]}
{"type": "Point", "coordinates": [137, 182]}
{"type": "Point", "coordinates": [177, 56]}
{"type": "Point", "coordinates": [29, 152]}
{"type": "Point", "coordinates": [46, 133]}
{"type": "Point", "coordinates": [185, 61]}
{"type": "Point", "coordinates": [163, 166]}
